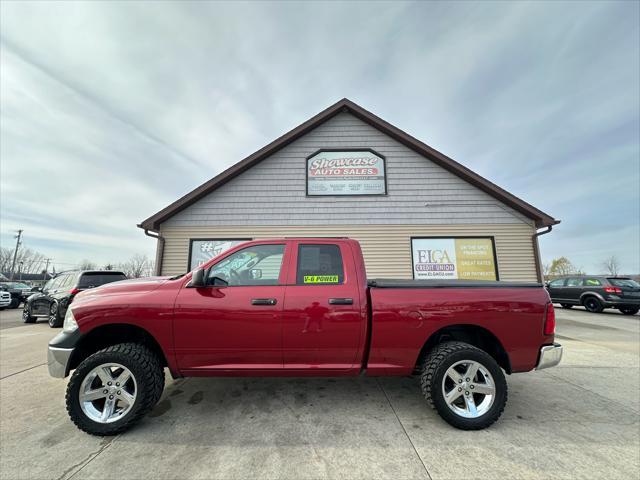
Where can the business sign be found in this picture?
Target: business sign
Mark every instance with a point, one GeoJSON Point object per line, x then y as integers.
{"type": "Point", "coordinates": [358, 172]}
{"type": "Point", "coordinates": [454, 258]}
{"type": "Point", "coordinates": [203, 250]}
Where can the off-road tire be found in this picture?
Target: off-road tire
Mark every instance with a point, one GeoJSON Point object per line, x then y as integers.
{"type": "Point", "coordinates": [433, 370]}
{"type": "Point", "coordinates": [26, 317]}
{"type": "Point", "coordinates": [566, 305]}
{"type": "Point", "coordinates": [592, 304]}
{"type": "Point", "coordinates": [629, 310]}
{"type": "Point", "coordinates": [149, 376]}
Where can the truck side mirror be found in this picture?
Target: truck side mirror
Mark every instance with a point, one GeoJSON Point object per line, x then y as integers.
{"type": "Point", "coordinates": [197, 279]}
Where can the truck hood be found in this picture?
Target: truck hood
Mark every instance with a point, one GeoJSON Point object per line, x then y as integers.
{"type": "Point", "coordinates": [137, 285]}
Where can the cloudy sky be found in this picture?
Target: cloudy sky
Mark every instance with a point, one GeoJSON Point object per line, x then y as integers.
{"type": "Point", "coordinates": [110, 111]}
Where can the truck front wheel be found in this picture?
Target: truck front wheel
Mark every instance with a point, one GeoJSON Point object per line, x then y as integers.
{"type": "Point", "coordinates": [464, 384]}
{"type": "Point", "coordinates": [114, 388]}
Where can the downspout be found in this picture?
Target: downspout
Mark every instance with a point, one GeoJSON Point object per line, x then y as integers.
{"type": "Point", "coordinates": [159, 250]}
{"type": "Point", "coordinates": [536, 252]}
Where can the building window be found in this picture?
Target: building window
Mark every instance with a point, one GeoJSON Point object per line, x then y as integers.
{"type": "Point", "coordinates": [201, 250]}
{"type": "Point", "coordinates": [255, 265]}
{"type": "Point", "coordinates": [465, 258]}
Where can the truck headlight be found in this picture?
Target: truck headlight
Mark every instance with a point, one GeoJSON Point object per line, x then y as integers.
{"type": "Point", "coordinates": [70, 323]}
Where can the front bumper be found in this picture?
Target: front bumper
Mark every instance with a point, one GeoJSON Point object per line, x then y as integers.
{"type": "Point", "coordinates": [550, 356]}
{"type": "Point", "coordinates": [61, 348]}
{"type": "Point", "coordinates": [58, 361]}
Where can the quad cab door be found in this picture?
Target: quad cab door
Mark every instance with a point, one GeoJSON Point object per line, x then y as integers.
{"type": "Point", "coordinates": [234, 323]}
{"type": "Point", "coordinates": [324, 322]}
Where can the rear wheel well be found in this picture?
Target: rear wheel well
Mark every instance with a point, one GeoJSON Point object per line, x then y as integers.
{"type": "Point", "coordinates": [472, 334]}
{"type": "Point", "coordinates": [108, 335]}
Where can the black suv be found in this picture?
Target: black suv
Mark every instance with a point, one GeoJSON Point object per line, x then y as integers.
{"type": "Point", "coordinates": [596, 293]}
{"type": "Point", "coordinates": [59, 292]}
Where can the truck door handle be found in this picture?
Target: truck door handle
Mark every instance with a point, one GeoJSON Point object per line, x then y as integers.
{"type": "Point", "coordinates": [341, 301]}
{"type": "Point", "coordinates": [263, 301]}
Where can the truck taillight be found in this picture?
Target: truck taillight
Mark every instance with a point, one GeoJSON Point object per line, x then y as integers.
{"type": "Point", "coordinates": [612, 290]}
{"type": "Point", "coordinates": [550, 320]}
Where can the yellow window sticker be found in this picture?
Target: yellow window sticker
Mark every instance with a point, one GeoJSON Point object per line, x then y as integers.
{"type": "Point", "coordinates": [320, 279]}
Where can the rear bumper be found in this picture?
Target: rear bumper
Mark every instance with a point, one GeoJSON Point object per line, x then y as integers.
{"type": "Point", "coordinates": [622, 302]}
{"type": "Point", "coordinates": [550, 356]}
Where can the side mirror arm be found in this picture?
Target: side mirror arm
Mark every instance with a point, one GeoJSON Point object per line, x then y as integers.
{"type": "Point", "coordinates": [197, 279]}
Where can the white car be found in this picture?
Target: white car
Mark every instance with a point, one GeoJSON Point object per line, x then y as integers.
{"type": "Point", "coordinates": [5, 299]}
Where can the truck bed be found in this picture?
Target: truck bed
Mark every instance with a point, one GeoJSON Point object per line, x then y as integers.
{"type": "Point", "coordinates": [404, 313]}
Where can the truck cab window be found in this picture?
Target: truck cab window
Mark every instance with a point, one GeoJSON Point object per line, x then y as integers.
{"type": "Point", "coordinates": [256, 265]}
{"type": "Point", "coordinates": [319, 264]}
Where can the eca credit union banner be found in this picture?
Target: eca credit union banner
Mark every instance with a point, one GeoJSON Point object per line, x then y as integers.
{"type": "Point", "coordinates": [453, 258]}
{"type": "Point", "coordinates": [346, 173]}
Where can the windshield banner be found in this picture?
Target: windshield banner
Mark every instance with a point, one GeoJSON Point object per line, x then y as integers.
{"type": "Point", "coordinates": [346, 173]}
{"type": "Point", "coordinates": [454, 258]}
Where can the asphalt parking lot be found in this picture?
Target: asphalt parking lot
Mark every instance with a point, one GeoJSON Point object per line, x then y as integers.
{"type": "Point", "coordinates": [578, 420]}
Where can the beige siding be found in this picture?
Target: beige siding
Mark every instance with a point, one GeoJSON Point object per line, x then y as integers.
{"type": "Point", "coordinates": [387, 248]}
{"type": "Point", "coordinates": [273, 192]}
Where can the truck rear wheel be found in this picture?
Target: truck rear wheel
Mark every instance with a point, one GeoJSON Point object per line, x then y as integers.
{"type": "Point", "coordinates": [464, 384]}
{"type": "Point", "coordinates": [114, 388]}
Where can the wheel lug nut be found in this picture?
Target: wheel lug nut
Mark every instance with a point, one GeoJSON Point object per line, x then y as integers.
{"type": "Point", "coordinates": [118, 392]}
{"type": "Point", "coordinates": [105, 391]}
{"type": "Point", "coordinates": [459, 389]}
{"type": "Point", "coordinates": [460, 381]}
{"type": "Point", "coordinates": [109, 383]}
{"type": "Point", "coordinates": [471, 387]}
{"type": "Point", "coordinates": [466, 393]}
{"type": "Point", "coordinates": [467, 379]}
{"type": "Point", "coordinates": [117, 384]}
{"type": "Point", "coordinates": [110, 397]}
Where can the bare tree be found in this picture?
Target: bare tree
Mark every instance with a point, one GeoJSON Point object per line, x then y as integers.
{"type": "Point", "coordinates": [563, 266]}
{"type": "Point", "coordinates": [611, 265]}
{"type": "Point", "coordinates": [137, 266]}
{"type": "Point", "coordinates": [29, 260]}
{"type": "Point", "coordinates": [87, 265]}
{"type": "Point", "coordinates": [546, 269]}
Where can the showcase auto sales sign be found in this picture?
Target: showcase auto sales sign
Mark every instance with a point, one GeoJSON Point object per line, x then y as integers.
{"type": "Point", "coordinates": [346, 173]}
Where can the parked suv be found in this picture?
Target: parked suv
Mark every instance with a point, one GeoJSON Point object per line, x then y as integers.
{"type": "Point", "coordinates": [59, 292]}
{"type": "Point", "coordinates": [596, 293]}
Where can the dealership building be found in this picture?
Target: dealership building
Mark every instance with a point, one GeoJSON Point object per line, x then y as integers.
{"type": "Point", "coordinates": [347, 173]}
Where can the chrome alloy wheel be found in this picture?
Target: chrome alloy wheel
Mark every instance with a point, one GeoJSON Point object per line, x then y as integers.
{"type": "Point", "coordinates": [108, 393]}
{"type": "Point", "coordinates": [53, 314]}
{"type": "Point", "coordinates": [468, 389]}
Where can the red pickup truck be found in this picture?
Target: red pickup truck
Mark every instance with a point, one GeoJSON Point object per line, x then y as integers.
{"type": "Point", "coordinates": [299, 307]}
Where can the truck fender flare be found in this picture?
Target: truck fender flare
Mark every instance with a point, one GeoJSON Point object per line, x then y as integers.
{"type": "Point", "coordinates": [475, 335]}
{"type": "Point", "coordinates": [103, 336]}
